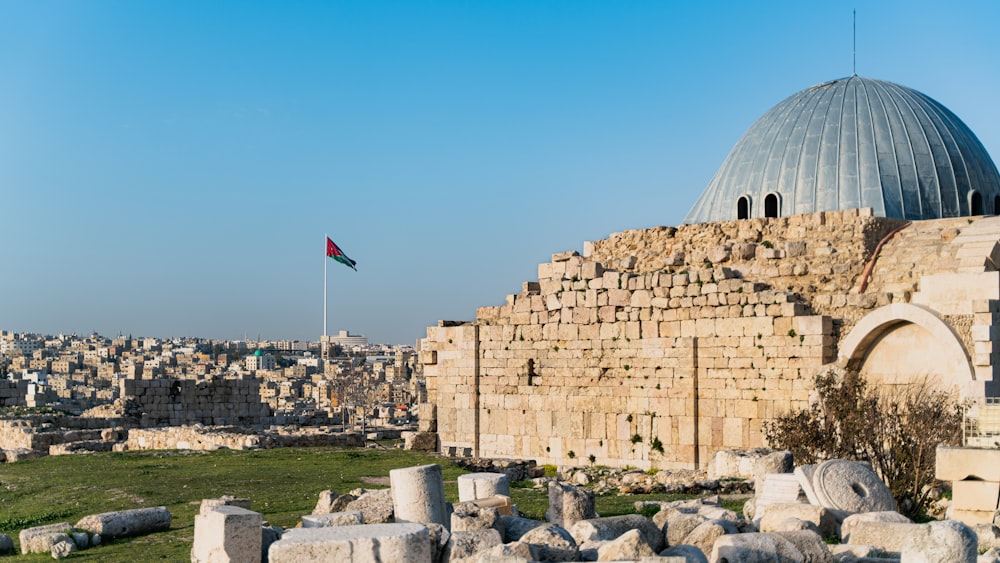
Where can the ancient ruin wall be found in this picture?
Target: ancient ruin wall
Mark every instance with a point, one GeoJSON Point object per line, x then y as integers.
{"type": "Point", "coordinates": [217, 401]}
{"type": "Point", "coordinates": [686, 343]}
{"type": "Point", "coordinates": [648, 370]}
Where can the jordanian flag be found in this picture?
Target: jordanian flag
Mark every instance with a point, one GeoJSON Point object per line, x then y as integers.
{"type": "Point", "coordinates": [334, 251]}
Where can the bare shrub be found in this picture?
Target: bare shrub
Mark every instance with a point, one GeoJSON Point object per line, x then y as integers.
{"type": "Point", "coordinates": [896, 429]}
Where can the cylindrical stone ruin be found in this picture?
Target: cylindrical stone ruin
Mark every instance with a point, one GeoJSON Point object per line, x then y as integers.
{"type": "Point", "coordinates": [482, 485]}
{"type": "Point", "coordinates": [418, 495]}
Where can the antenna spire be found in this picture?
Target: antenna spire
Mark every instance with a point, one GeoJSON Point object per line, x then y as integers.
{"type": "Point", "coordinates": [854, 53]}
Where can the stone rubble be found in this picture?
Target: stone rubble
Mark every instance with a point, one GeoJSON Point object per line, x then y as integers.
{"type": "Point", "coordinates": [698, 530]}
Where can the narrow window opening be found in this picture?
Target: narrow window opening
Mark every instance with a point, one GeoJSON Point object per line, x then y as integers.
{"type": "Point", "coordinates": [531, 372]}
{"type": "Point", "coordinates": [976, 203]}
{"type": "Point", "coordinates": [771, 205]}
{"type": "Point", "coordinates": [996, 205]}
{"type": "Point", "coordinates": [743, 208]}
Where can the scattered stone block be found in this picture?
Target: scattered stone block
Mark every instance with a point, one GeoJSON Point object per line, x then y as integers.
{"type": "Point", "coordinates": [474, 486]}
{"type": "Point", "coordinates": [371, 542]}
{"type": "Point", "coordinates": [515, 527]}
{"type": "Point", "coordinates": [332, 519]}
{"type": "Point", "coordinates": [420, 441]}
{"type": "Point", "coordinates": [569, 504]}
{"type": "Point", "coordinates": [946, 541]}
{"type": "Point", "coordinates": [81, 539]}
{"type": "Point", "coordinates": [988, 536]}
{"type": "Point", "coordinates": [612, 527]}
{"type": "Point", "coordinates": [630, 546]}
{"type": "Point", "coordinates": [549, 542]}
{"type": "Point", "coordinates": [705, 534]}
{"type": "Point", "coordinates": [772, 515]}
{"type": "Point", "coordinates": [750, 464]}
{"type": "Point", "coordinates": [326, 499]}
{"type": "Point", "coordinates": [6, 544]}
{"type": "Point", "coordinates": [207, 503]}
{"type": "Point", "coordinates": [680, 525]}
{"type": "Point", "coordinates": [810, 544]}
{"type": "Point", "coordinates": [468, 516]}
{"type": "Point", "coordinates": [468, 543]}
{"type": "Point", "coordinates": [855, 521]}
{"type": "Point", "coordinates": [684, 554]}
{"type": "Point", "coordinates": [224, 534]}
{"type": "Point", "coordinates": [782, 488]}
{"type": "Point", "coordinates": [418, 495]}
{"type": "Point", "coordinates": [755, 548]}
{"type": "Point", "coordinates": [39, 539]}
{"type": "Point", "coordinates": [375, 506]}
{"type": "Point", "coordinates": [127, 523]}
{"type": "Point", "coordinates": [62, 548]}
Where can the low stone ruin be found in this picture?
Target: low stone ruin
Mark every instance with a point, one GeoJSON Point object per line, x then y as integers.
{"type": "Point", "coordinates": [791, 518]}
{"type": "Point", "coordinates": [62, 539]}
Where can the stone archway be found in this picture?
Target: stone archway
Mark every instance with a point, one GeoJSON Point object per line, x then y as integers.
{"type": "Point", "coordinates": [903, 343]}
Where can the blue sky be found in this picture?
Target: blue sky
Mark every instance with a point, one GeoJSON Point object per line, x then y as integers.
{"type": "Point", "coordinates": [170, 168]}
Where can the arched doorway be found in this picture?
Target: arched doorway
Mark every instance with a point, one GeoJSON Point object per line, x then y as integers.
{"type": "Point", "coordinates": [900, 344]}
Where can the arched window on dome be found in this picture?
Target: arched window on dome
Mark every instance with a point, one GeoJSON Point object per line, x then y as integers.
{"type": "Point", "coordinates": [996, 205]}
{"type": "Point", "coordinates": [772, 205]}
{"type": "Point", "coordinates": [975, 203]}
{"type": "Point", "coordinates": [743, 207]}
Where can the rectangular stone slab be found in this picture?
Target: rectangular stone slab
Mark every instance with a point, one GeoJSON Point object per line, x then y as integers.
{"type": "Point", "coordinates": [975, 495]}
{"type": "Point", "coordinates": [960, 464]}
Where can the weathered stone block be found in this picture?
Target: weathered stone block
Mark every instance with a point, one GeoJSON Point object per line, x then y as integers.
{"type": "Point", "coordinates": [127, 523]}
{"type": "Point", "coordinates": [371, 542]}
{"type": "Point", "coordinates": [227, 534]}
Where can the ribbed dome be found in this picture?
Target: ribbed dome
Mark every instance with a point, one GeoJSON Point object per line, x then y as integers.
{"type": "Point", "coordinates": [850, 143]}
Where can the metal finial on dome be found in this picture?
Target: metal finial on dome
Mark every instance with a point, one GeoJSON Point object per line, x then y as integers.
{"type": "Point", "coordinates": [854, 49]}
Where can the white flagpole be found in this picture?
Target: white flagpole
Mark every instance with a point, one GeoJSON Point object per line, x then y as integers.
{"type": "Point", "coordinates": [325, 353]}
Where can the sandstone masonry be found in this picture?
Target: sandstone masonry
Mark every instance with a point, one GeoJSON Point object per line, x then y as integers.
{"type": "Point", "coordinates": [658, 347]}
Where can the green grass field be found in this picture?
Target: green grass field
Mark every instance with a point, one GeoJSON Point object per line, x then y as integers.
{"type": "Point", "coordinates": [283, 484]}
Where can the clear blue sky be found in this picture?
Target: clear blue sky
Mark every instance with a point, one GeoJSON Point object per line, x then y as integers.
{"type": "Point", "coordinates": [169, 168]}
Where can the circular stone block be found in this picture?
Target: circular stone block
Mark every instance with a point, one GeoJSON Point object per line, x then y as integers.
{"type": "Point", "coordinates": [418, 495]}
{"type": "Point", "coordinates": [475, 486]}
{"type": "Point", "coordinates": [853, 486]}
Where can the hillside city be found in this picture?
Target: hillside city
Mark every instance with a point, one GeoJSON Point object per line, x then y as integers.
{"type": "Point", "coordinates": [354, 383]}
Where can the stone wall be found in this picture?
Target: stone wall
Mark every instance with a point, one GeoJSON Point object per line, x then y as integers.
{"type": "Point", "coordinates": [660, 346]}
{"type": "Point", "coordinates": [189, 438]}
{"type": "Point", "coordinates": [12, 393]}
{"type": "Point", "coordinates": [216, 400]}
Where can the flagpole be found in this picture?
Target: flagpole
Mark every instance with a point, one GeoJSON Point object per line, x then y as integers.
{"type": "Point", "coordinates": [325, 342]}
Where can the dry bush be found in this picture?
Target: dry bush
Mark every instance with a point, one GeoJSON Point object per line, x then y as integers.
{"type": "Point", "coordinates": [896, 429]}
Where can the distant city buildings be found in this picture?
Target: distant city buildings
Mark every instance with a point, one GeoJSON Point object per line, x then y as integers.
{"type": "Point", "coordinates": [366, 383]}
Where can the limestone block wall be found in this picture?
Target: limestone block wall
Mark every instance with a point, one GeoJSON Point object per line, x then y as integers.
{"type": "Point", "coordinates": [216, 401]}
{"type": "Point", "coordinates": [633, 369]}
{"type": "Point", "coordinates": [188, 438]}
{"type": "Point", "coordinates": [25, 434]}
{"type": "Point", "coordinates": [659, 346]}
{"type": "Point", "coordinates": [451, 353]}
{"type": "Point", "coordinates": [818, 256]}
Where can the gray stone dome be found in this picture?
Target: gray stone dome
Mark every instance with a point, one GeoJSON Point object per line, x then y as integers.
{"type": "Point", "coordinates": [850, 143]}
